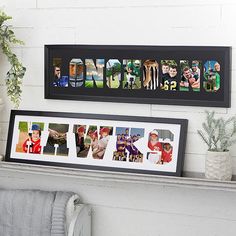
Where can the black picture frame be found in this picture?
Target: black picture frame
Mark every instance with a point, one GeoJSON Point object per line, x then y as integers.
{"type": "Point", "coordinates": [86, 84]}
{"type": "Point", "coordinates": [143, 130]}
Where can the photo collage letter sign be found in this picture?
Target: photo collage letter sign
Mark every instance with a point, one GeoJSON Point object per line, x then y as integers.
{"type": "Point", "coordinates": [174, 75]}
{"type": "Point", "coordinates": [120, 143]}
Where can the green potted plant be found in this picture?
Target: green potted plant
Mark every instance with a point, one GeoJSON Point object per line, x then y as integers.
{"type": "Point", "coordinates": [17, 71]}
{"type": "Point", "coordinates": [219, 134]}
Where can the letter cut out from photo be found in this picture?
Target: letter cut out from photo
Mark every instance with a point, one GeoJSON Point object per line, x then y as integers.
{"type": "Point", "coordinates": [126, 149]}
{"type": "Point", "coordinates": [29, 140]}
{"type": "Point", "coordinates": [160, 144]}
{"type": "Point", "coordinates": [57, 140]}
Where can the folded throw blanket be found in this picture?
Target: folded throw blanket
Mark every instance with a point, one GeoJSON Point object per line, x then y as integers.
{"type": "Point", "coordinates": [33, 212]}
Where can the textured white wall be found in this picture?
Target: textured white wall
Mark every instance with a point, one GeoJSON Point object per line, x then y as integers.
{"type": "Point", "coordinates": [168, 22]}
{"type": "Point", "coordinates": [40, 22]}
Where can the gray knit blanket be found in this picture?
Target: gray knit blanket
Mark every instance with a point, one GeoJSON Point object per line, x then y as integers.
{"type": "Point", "coordinates": [33, 213]}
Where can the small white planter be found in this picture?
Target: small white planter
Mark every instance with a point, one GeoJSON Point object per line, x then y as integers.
{"type": "Point", "coordinates": [218, 165]}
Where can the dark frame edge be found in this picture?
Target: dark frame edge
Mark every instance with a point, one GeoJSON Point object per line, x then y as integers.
{"type": "Point", "coordinates": [46, 72]}
{"type": "Point", "coordinates": [10, 135]}
{"type": "Point", "coordinates": [182, 140]}
{"type": "Point", "coordinates": [224, 102]}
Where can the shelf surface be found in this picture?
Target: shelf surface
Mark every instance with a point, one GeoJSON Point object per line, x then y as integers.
{"type": "Point", "coordinates": [109, 176]}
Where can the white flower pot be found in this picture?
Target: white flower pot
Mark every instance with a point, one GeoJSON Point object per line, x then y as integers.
{"type": "Point", "coordinates": [218, 165]}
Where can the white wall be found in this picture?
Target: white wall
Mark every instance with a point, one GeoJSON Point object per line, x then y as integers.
{"type": "Point", "coordinates": [168, 22]}
{"type": "Point", "coordinates": [40, 22]}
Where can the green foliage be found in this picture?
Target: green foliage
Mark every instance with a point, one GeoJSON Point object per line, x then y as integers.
{"type": "Point", "coordinates": [115, 69]}
{"type": "Point", "coordinates": [17, 71]}
{"type": "Point", "coordinates": [185, 63]}
{"type": "Point", "coordinates": [23, 126]}
{"type": "Point", "coordinates": [218, 134]}
{"type": "Point", "coordinates": [169, 62]}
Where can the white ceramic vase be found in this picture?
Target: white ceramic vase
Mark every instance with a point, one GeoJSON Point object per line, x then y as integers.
{"type": "Point", "coordinates": [218, 165]}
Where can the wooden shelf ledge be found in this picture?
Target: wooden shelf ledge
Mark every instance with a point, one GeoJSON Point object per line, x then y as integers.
{"type": "Point", "coordinates": [122, 177]}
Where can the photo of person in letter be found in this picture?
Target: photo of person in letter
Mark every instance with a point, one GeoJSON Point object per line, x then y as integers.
{"type": "Point", "coordinates": [190, 76]}
{"type": "Point", "coordinates": [164, 72]}
{"type": "Point", "coordinates": [196, 72]}
{"type": "Point", "coordinates": [94, 139]}
{"type": "Point", "coordinates": [154, 145]}
{"type": "Point", "coordinates": [170, 82]}
{"type": "Point", "coordinates": [166, 152]}
{"type": "Point", "coordinates": [76, 72]}
{"type": "Point", "coordinates": [188, 80]}
{"type": "Point", "coordinates": [32, 143]}
{"type": "Point", "coordinates": [58, 79]}
{"type": "Point", "coordinates": [99, 151]}
{"type": "Point", "coordinates": [212, 76]}
{"type": "Point", "coordinates": [79, 139]}
{"type": "Point", "coordinates": [122, 134]}
{"type": "Point", "coordinates": [132, 75]}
